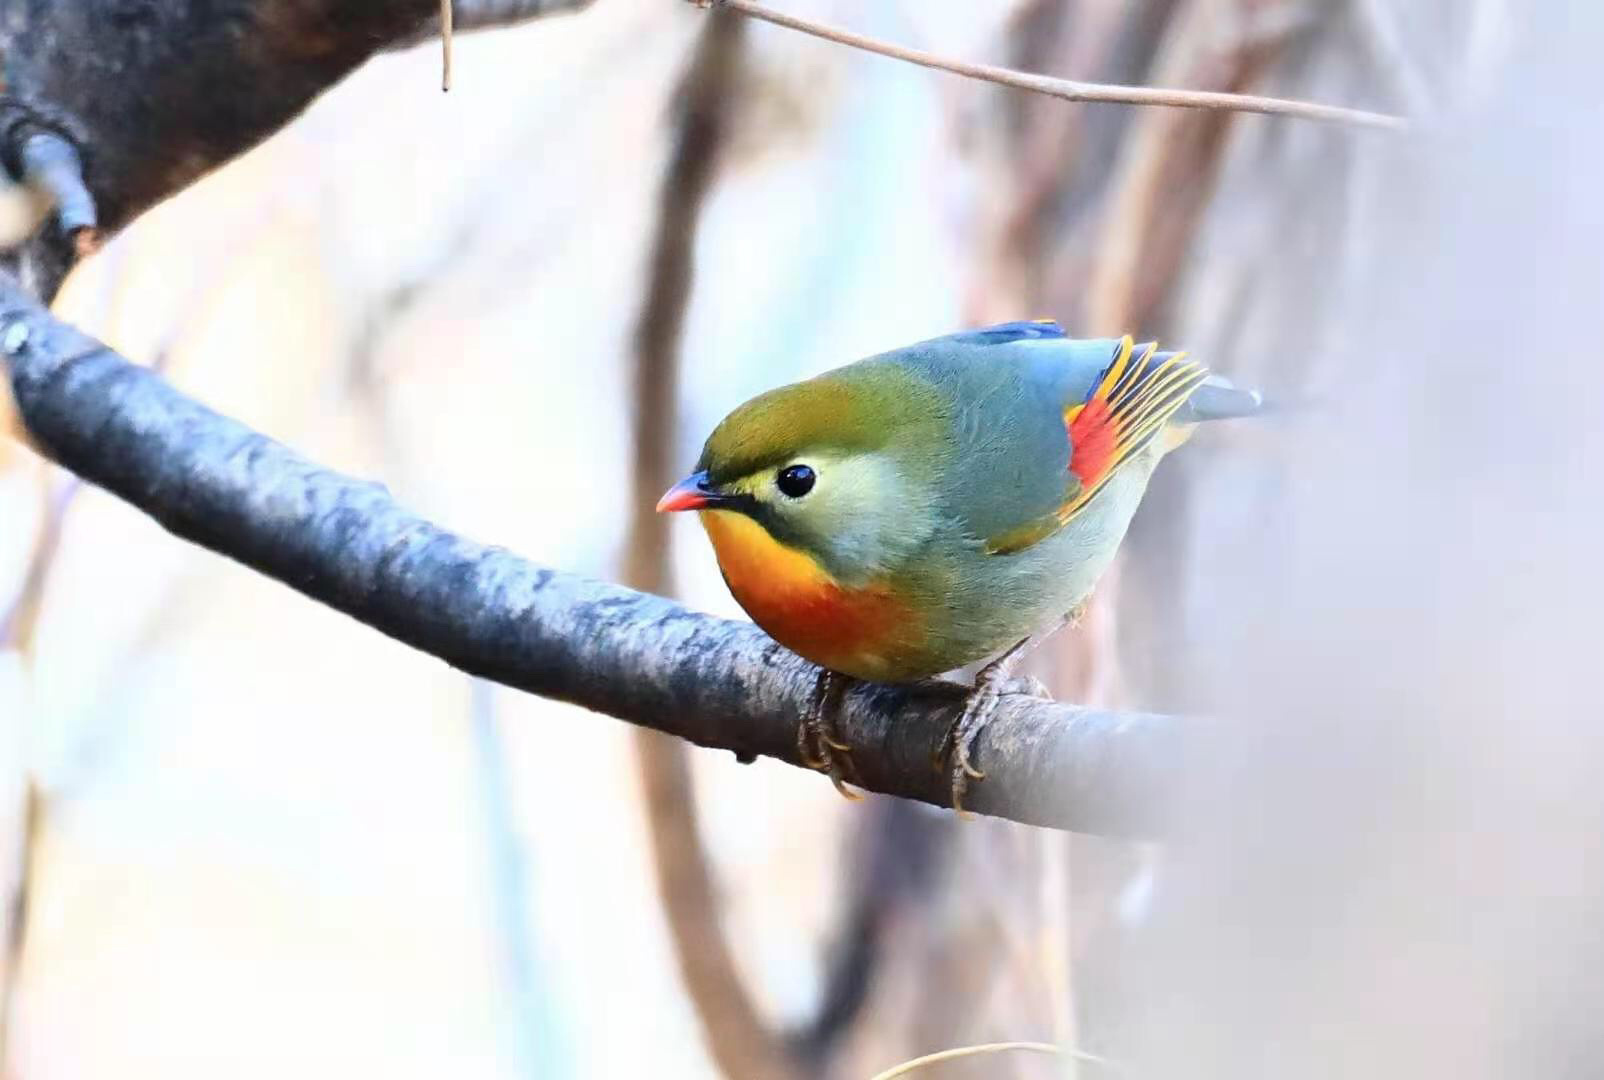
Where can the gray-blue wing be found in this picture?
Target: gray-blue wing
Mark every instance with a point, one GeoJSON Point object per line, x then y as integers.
{"type": "Point", "coordinates": [1010, 386]}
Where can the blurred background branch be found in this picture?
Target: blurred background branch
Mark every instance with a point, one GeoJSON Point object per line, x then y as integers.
{"type": "Point", "coordinates": [739, 1039]}
{"type": "Point", "coordinates": [20, 618]}
{"type": "Point", "coordinates": [14, 915]}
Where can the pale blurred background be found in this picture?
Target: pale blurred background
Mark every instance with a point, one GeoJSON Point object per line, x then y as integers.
{"type": "Point", "coordinates": [271, 842]}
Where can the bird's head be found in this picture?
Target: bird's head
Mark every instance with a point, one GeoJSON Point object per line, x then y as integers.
{"type": "Point", "coordinates": [838, 468]}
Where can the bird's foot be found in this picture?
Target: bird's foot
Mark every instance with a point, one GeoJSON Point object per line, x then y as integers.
{"type": "Point", "coordinates": [817, 743]}
{"type": "Point", "coordinates": [957, 747]}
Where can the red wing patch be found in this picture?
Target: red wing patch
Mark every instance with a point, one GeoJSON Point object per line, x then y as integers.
{"type": "Point", "coordinates": [1130, 402]}
{"type": "Point", "coordinates": [1091, 441]}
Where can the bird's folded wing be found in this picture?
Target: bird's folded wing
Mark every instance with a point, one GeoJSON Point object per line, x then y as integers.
{"type": "Point", "coordinates": [1127, 406]}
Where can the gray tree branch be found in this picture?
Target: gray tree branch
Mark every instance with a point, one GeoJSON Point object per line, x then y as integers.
{"type": "Point", "coordinates": [346, 543]}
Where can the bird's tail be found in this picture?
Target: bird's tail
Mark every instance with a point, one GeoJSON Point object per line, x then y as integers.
{"type": "Point", "coordinates": [1218, 398]}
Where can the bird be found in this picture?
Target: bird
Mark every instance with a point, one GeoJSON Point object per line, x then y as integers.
{"type": "Point", "coordinates": [944, 503]}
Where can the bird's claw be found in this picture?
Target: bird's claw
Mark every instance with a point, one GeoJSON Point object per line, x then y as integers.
{"type": "Point", "coordinates": [961, 768]}
{"type": "Point", "coordinates": [804, 751]}
{"type": "Point", "coordinates": [959, 778]}
{"type": "Point", "coordinates": [818, 747]}
{"type": "Point", "coordinates": [841, 787]}
{"type": "Point", "coordinates": [957, 747]}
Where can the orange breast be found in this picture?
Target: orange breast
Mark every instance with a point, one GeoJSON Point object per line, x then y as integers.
{"type": "Point", "coordinates": [857, 631]}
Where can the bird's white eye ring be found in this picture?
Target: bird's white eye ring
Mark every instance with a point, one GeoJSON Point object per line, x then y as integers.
{"type": "Point", "coordinates": [795, 481]}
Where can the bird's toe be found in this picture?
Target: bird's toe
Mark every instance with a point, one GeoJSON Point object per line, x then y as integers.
{"type": "Point", "coordinates": [818, 745]}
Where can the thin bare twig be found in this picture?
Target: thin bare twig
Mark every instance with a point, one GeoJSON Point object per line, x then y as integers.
{"type": "Point", "coordinates": [1070, 90]}
{"type": "Point", "coordinates": [18, 624]}
{"type": "Point", "coordinates": [985, 1048]}
{"type": "Point", "coordinates": [445, 45]}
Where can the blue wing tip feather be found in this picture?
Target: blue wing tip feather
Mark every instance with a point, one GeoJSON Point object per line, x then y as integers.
{"type": "Point", "coordinates": [1003, 333]}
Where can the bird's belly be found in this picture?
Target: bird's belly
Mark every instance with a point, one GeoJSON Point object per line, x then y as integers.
{"type": "Point", "coordinates": [865, 631]}
{"type": "Point", "coordinates": [860, 632]}
{"type": "Point", "coordinates": [996, 601]}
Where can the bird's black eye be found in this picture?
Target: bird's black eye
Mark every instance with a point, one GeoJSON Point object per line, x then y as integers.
{"type": "Point", "coordinates": [795, 481]}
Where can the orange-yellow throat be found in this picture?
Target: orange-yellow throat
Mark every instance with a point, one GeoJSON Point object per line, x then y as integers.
{"type": "Point", "coordinates": [858, 631]}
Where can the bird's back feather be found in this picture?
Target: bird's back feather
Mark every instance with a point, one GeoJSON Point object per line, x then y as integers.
{"type": "Point", "coordinates": [1042, 421]}
{"type": "Point", "coordinates": [1005, 389]}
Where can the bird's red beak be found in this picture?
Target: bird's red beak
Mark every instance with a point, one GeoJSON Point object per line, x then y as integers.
{"type": "Point", "coordinates": [692, 493]}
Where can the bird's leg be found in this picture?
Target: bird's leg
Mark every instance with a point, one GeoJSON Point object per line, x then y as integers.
{"type": "Point", "coordinates": [817, 743]}
{"type": "Point", "coordinates": [1029, 685]}
{"type": "Point", "coordinates": [993, 680]}
{"type": "Point", "coordinates": [978, 710]}
{"type": "Point", "coordinates": [812, 741]}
